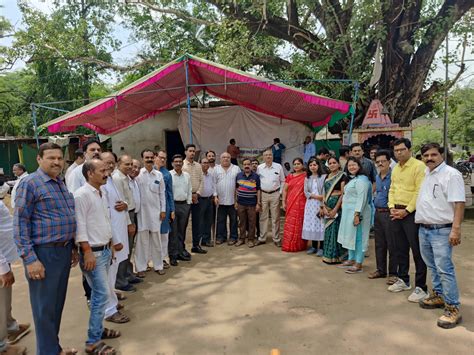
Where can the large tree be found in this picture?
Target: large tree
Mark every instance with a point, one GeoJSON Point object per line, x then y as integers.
{"type": "Point", "coordinates": [318, 39]}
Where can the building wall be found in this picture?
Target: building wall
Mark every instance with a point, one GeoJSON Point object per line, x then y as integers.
{"type": "Point", "coordinates": [146, 134]}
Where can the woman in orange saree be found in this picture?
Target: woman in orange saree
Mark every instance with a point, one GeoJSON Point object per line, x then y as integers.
{"type": "Point", "coordinates": [294, 201]}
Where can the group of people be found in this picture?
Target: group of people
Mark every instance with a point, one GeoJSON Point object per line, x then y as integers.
{"type": "Point", "coordinates": [114, 215]}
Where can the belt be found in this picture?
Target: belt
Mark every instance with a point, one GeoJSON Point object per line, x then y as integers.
{"type": "Point", "coordinates": [100, 248]}
{"type": "Point", "coordinates": [400, 207]}
{"type": "Point", "coordinates": [180, 202]}
{"type": "Point", "coordinates": [436, 226]}
{"type": "Point", "coordinates": [382, 209]}
{"type": "Point", "coordinates": [270, 192]}
{"type": "Point", "coordinates": [207, 198]}
{"type": "Point", "coordinates": [55, 244]}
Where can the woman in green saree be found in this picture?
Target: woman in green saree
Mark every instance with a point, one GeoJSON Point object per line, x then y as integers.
{"type": "Point", "coordinates": [333, 188]}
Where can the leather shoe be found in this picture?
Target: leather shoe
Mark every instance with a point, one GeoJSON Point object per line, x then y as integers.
{"type": "Point", "coordinates": [184, 257]}
{"type": "Point", "coordinates": [186, 253]}
{"type": "Point", "coordinates": [173, 262]}
{"type": "Point", "coordinates": [198, 250]}
{"type": "Point", "coordinates": [135, 280]}
{"type": "Point", "coordinates": [207, 245]}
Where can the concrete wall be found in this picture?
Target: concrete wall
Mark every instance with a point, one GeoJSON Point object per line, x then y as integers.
{"type": "Point", "coordinates": [147, 134]}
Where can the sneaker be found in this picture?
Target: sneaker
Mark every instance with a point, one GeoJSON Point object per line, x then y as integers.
{"type": "Point", "coordinates": [399, 286]}
{"type": "Point", "coordinates": [417, 295]}
{"type": "Point", "coordinates": [432, 301]}
{"type": "Point", "coordinates": [311, 250]}
{"type": "Point", "coordinates": [450, 318]}
{"type": "Point", "coordinates": [15, 335]}
{"type": "Point", "coordinates": [319, 253]}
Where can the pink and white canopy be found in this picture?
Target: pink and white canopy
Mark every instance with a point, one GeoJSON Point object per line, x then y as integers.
{"type": "Point", "coordinates": [166, 87]}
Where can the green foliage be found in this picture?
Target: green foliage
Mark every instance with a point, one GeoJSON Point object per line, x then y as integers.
{"type": "Point", "coordinates": [461, 116]}
{"type": "Point", "coordinates": [425, 134]}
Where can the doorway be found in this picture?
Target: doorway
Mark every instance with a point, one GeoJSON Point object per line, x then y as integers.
{"type": "Point", "coordinates": [174, 145]}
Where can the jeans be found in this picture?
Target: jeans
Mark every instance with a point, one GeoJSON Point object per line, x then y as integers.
{"type": "Point", "coordinates": [436, 252]}
{"type": "Point", "coordinates": [358, 254]}
{"type": "Point", "coordinates": [99, 282]}
{"type": "Point", "coordinates": [47, 296]}
{"type": "Point", "coordinates": [207, 218]}
{"type": "Point", "coordinates": [222, 212]}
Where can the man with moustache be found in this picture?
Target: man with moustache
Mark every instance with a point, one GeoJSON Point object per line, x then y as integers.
{"type": "Point", "coordinates": [195, 172]}
{"type": "Point", "coordinates": [368, 167]}
{"type": "Point", "coordinates": [46, 246]}
{"type": "Point", "coordinates": [225, 175]}
{"type": "Point", "coordinates": [91, 150]}
{"type": "Point", "coordinates": [160, 163]}
{"type": "Point", "coordinates": [211, 158]}
{"type": "Point", "coordinates": [119, 220]}
{"type": "Point", "coordinates": [94, 236]}
{"type": "Point", "coordinates": [207, 193]}
{"type": "Point", "coordinates": [121, 181]}
{"type": "Point", "coordinates": [439, 213]}
{"type": "Point", "coordinates": [135, 171]}
{"type": "Point", "coordinates": [152, 213]}
{"type": "Point", "coordinates": [255, 164]}
{"type": "Point", "coordinates": [407, 177]}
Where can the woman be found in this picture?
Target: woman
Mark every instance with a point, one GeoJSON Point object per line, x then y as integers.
{"type": "Point", "coordinates": [313, 224]}
{"type": "Point", "coordinates": [356, 217]}
{"type": "Point", "coordinates": [333, 187]}
{"type": "Point", "coordinates": [294, 201]}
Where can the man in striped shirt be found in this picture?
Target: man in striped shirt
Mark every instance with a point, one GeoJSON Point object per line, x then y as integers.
{"type": "Point", "coordinates": [44, 231]}
{"type": "Point", "coordinates": [248, 202]}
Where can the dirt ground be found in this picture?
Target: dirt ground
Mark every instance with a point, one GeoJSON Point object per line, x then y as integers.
{"type": "Point", "coordinates": [250, 301]}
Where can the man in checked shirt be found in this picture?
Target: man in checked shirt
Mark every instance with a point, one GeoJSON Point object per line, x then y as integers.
{"type": "Point", "coordinates": [44, 231]}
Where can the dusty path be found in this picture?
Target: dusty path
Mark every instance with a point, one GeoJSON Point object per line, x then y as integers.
{"type": "Point", "coordinates": [248, 301]}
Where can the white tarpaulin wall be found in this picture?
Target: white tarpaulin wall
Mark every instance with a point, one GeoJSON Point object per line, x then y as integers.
{"type": "Point", "coordinates": [214, 127]}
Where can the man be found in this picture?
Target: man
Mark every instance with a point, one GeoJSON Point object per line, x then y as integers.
{"type": "Point", "coordinates": [323, 155]}
{"type": "Point", "coordinates": [225, 175]}
{"type": "Point", "coordinates": [368, 167]}
{"type": "Point", "coordinates": [10, 330]}
{"type": "Point", "coordinates": [406, 180]}
{"type": "Point", "coordinates": [248, 203]}
{"type": "Point", "coordinates": [20, 172]}
{"type": "Point", "coordinates": [94, 235]}
{"type": "Point", "coordinates": [119, 220]}
{"type": "Point", "coordinates": [277, 150]}
{"type": "Point", "coordinates": [439, 212]}
{"type": "Point", "coordinates": [165, 228]}
{"type": "Point", "coordinates": [152, 213]}
{"type": "Point", "coordinates": [45, 245]}
{"type": "Point", "coordinates": [182, 194]}
{"type": "Point", "coordinates": [309, 149]}
{"type": "Point", "coordinates": [91, 150]}
{"type": "Point", "coordinates": [136, 166]}
{"type": "Point", "coordinates": [78, 160]}
{"type": "Point", "coordinates": [272, 179]}
{"type": "Point", "coordinates": [211, 157]}
{"type": "Point", "coordinates": [121, 181]}
{"type": "Point", "coordinates": [195, 172]}
{"type": "Point", "coordinates": [207, 193]}
{"type": "Point", "coordinates": [255, 164]}
{"type": "Point", "coordinates": [384, 239]}
{"type": "Point", "coordinates": [234, 152]}
{"type": "Point", "coordinates": [344, 154]}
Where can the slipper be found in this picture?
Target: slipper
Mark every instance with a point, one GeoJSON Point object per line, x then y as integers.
{"type": "Point", "coordinates": [353, 270]}
{"type": "Point", "coordinates": [118, 318]}
{"type": "Point", "coordinates": [101, 349]}
{"type": "Point", "coordinates": [110, 334]}
{"type": "Point", "coordinates": [69, 351]}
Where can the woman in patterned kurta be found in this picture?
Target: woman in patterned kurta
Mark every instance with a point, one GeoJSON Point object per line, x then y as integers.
{"type": "Point", "coordinates": [294, 201]}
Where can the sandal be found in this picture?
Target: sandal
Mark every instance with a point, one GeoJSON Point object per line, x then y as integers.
{"type": "Point", "coordinates": [118, 317]}
{"type": "Point", "coordinates": [346, 264]}
{"type": "Point", "coordinates": [110, 334]}
{"type": "Point", "coordinates": [354, 270]}
{"type": "Point", "coordinates": [69, 351]}
{"type": "Point", "coordinates": [120, 296]}
{"type": "Point", "coordinates": [101, 349]}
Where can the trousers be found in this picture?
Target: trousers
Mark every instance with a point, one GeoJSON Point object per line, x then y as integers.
{"type": "Point", "coordinates": [177, 237]}
{"type": "Point", "coordinates": [247, 219]}
{"type": "Point", "coordinates": [7, 322]}
{"type": "Point", "coordinates": [270, 209]}
{"type": "Point", "coordinates": [112, 301]}
{"type": "Point", "coordinates": [148, 245]}
{"type": "Point", "coordinates": [384, 244]}
{"type": "Point", "coordinates": [207, 218]}
{"type": "Point", "coordinates": [222, 212]}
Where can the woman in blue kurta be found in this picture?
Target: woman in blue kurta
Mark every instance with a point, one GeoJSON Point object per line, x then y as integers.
{"type": "Point", "coordinates": [356, 219]}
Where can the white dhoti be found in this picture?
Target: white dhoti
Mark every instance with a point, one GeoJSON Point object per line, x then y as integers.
{"type": "Point", "coordinates": [164, 245]}
{"type": "Point", "coordinates": [112, 303]}
{"type": "Point", "coordinates": [148, 244]}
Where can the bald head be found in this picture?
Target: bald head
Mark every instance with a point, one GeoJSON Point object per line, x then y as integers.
{"type": "Point", "coordinates": [225, 159]}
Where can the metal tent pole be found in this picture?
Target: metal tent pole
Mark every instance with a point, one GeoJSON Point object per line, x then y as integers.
{"type": "Point", "coordinates": [354, 105]}
{"type": "Point", "coordinates": [188, 102]}
{"type": "Point", "coordinates": [35, 124]}
{"type": "Point", "coordinates": [445, 121]}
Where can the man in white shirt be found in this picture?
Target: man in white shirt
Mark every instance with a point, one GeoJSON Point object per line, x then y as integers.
{"type": "Point", "coordinates": [152, 212]}
{"type": "Point", "coordinates": [207, 193]}
{"type": "Point", "coordinates": [10, 330]}
{"type": "Point", "coordinates": [224, 176]}
{"type": "Point", "coordinates": [20, 172]}
{"type": "Point", "coordinates": [272, 179]}
{"type": "Point", "coordinates": [79, 160]}
{"type": "Point", "coordinates": [119, 220]}
{"type": "Point", "coordinates": [182, 194]}
{"type": "Point", "coordinates": [91, 150]}
{"type": "Point", "coordinates": [121, 181]}
{"type": "Point", "coordinates": [211, 157]}
{"type": "Point", "coordinates": [439, 213]}
{"type": "Point", "coordinates": [94, 234]}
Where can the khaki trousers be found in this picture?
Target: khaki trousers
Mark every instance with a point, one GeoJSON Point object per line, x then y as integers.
{"type": "Point", "coordinates": [270, 208]}
{"type": "Point", "coordinates": [7, 322]}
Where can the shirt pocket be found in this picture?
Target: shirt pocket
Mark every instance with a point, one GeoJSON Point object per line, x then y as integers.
{"type": "Point", "coordinates": [155, 186]}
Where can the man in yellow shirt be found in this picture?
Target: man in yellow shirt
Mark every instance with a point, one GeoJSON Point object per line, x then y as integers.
{"type": "Point", "coordinates": [407, 177]}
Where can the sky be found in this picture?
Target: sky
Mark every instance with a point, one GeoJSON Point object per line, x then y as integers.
{"type": "Point", "coordinates": [130, 49]}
